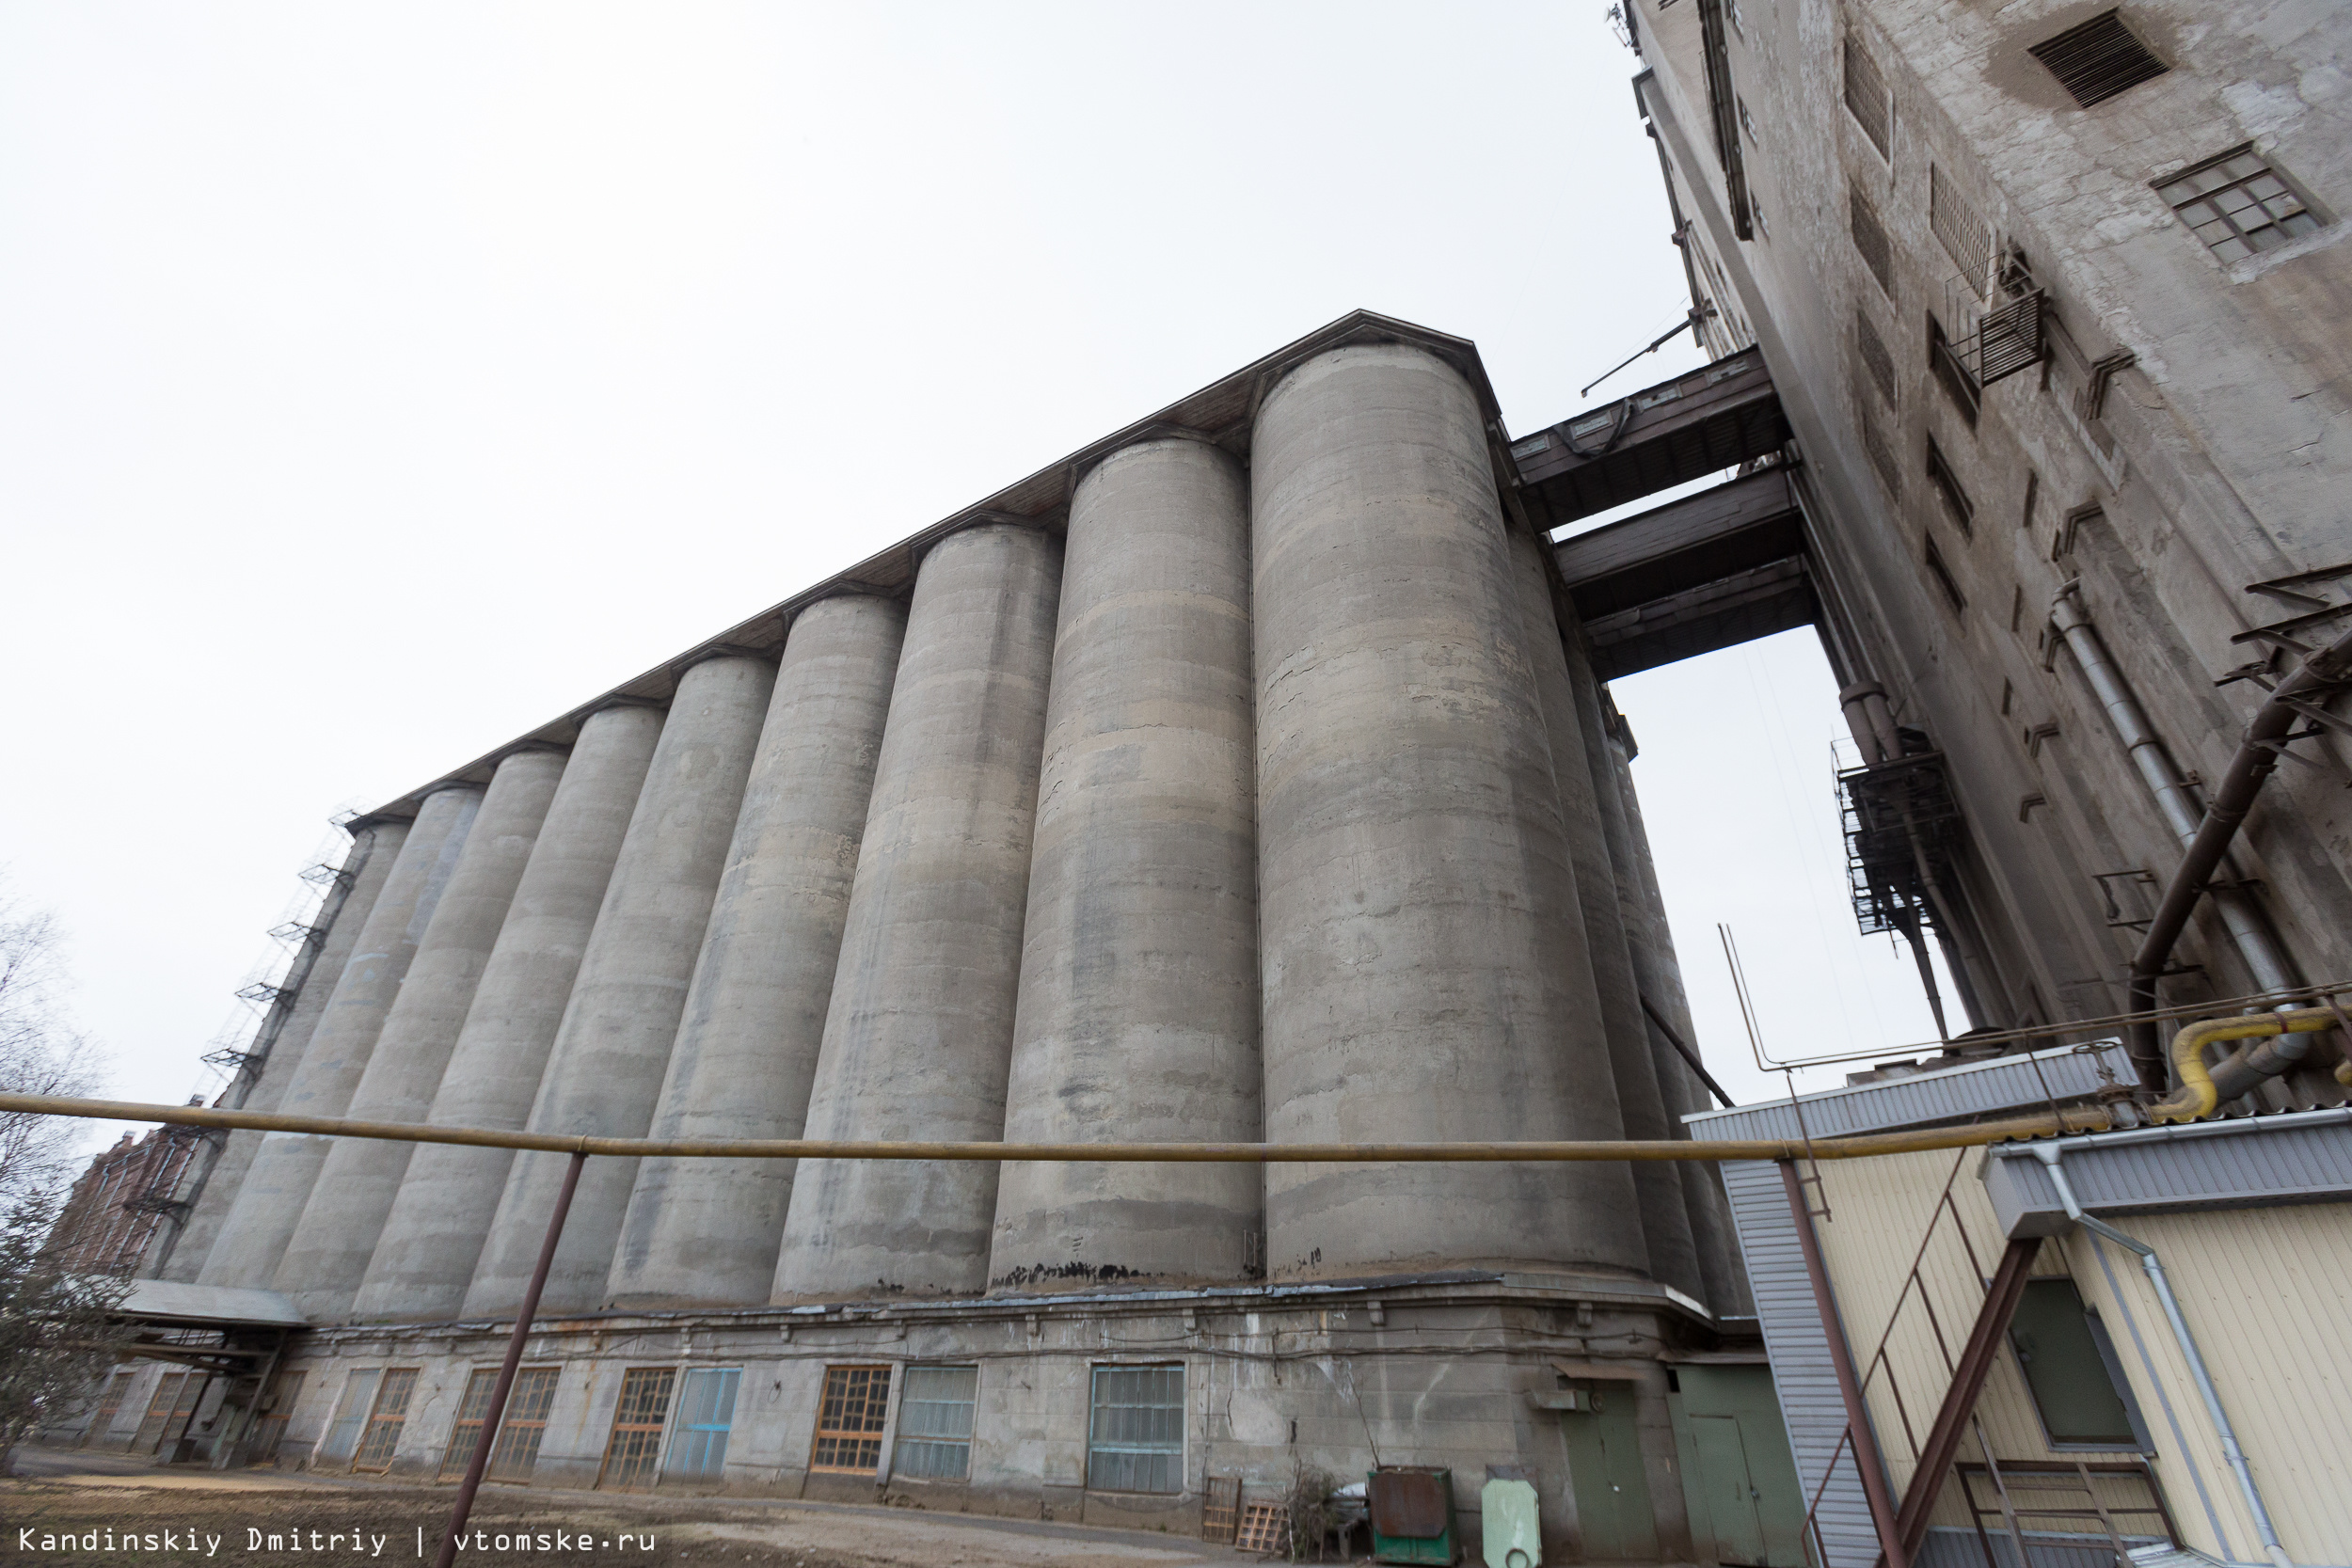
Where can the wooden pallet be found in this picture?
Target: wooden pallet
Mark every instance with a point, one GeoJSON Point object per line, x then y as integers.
{"type": "Point", "coordinates": [1265, 1527]}
{"type": "Point", "coordinates": [1220, 1509]}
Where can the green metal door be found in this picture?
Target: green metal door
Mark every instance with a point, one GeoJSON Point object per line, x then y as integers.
{"type": "Point", "coordinates": [1728, 1489]}
{"type": "Point", "coordinates": [1613, 1507]}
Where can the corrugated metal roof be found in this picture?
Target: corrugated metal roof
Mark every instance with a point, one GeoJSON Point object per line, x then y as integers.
{"type": "Point", "coordinates": [2294, 1157]}
{"type": "Point", "coordinates": [1955, 1094]}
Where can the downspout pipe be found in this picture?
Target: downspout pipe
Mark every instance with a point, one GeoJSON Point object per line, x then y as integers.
{"type": "Point", "coordinates": [2052, 1156]}
{"type": "Point", "coordinates": [2311, 682]}
{"type": "Point", "coordinates": [2176, 800]}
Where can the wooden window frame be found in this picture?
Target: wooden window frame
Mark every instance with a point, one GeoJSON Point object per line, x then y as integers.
{"type": "Point", "coordinates": [515, 1452]}
{"type": "Point", "coordinates": [853, 1377]}
{"type": "Point", "coordinates": [398, 1385]}
{"type": "Point", "coordinates": [640, 1458]}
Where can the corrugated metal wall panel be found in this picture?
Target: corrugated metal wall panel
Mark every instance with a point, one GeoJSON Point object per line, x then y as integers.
{"type": "Point", "coordinates": [1802, 1375]}
{"type": "Point", "coordinates": [2265, 1290]}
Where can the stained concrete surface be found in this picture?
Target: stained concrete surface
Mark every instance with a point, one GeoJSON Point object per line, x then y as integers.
{"type": "Point", "coordinates": [57, 1490]}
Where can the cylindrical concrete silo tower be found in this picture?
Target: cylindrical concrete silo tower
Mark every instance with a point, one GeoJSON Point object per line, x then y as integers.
{"type": "Point", "coordinates": [269, 1204]}
{"type": "Point", "coordinates": [707, 1230]}
{"type": "Point", "coordinates": [425, 1258]}
{"type": "Point", "coordinates": [919, 1030]}
{"type": "Point", "coordinates": [613, 1049]}
{"type": "Point", "coordinates": [1415, 888]}
{"type": "Point", "coordinates": [1641, 1108]}
{"type": "Point", "coordinates": [368, 864]}
{"type": "Point", "coordinates": [328, 1256]}
{"type": "Point", "coordinates": [1138, 1009]}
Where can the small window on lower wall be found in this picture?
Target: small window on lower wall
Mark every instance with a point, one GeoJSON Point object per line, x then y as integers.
{"type": "Point", "coordinates": [935, 1423]}
{"type": "Point", "coordinates": [705, 1414]}
{"type": "Point", "coordinates": [351, 1414]}
{"type": "Point", "coordinates": [2071, 1368]}
{"type": "Point", "coordinates": [1136, 1439]}
{"type": "Point", "coordinates": [850, 1420]}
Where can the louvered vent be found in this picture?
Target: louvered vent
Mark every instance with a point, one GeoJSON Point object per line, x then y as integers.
{"type": "Point", "coordinates": [2098, 60]}
{"type": "Point", "coordinates": [1870, 237]}
{"type": "Point", "coordinates": [1865, 97]}
{"type": "Point", "coordinates": [1874, 356]}
{"type": "Point", "coordinates": [1967, 237]}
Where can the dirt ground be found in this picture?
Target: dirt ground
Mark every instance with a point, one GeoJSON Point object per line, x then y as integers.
{"type": "Point", "coordinates": [67, 1508]}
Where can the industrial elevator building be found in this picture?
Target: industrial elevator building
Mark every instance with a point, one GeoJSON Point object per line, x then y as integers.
{"type": "Point", "coordinates": [1244, 776]}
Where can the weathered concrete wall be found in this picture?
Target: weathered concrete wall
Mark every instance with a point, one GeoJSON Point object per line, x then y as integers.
{"type": "Point", "coordinates": [746, 1054]}
{"type": "Point", "coordinates": [1416, 891]}
{"type": "Point", "coordinates": [1335, 1381]}
{"type": "Point", "coordinates": [605, 1071]}
{"type": "Point", "coordinates": [918, 1036]}
{"type": "Point", "coordinates": [432, 1237]}
{"type": "Point", "coordinates": [329, 1255]}
{"type": "Point", "coordinates": [1138, 1018]}
{"type": "Point", "coordinates": [2207, 468]}
{"type": "Point", "coordinates": [368, 862]}
{"type": "Point", "coordinates": [270, 1200]}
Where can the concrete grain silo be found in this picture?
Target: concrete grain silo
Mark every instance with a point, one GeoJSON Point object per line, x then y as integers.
{"type": "Point", "coordinates": [1242, 778]}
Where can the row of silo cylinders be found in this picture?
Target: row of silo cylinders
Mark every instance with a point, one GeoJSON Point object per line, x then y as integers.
{"type": "Point", "coordinates": [1266, 803]}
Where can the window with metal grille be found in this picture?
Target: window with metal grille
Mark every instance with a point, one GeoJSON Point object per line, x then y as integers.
{"type": "Point", "coordinates": [1867, 98]}
{"type": "Point", "coordinates": [935, 1423]}
{"type": "Point", "coordinates": [351, 1414]}
{"type": "Point", "coordinates": [2072, 1369]}
{"type": "Point", "coordinates": [1951, 374]}
{"type": "Point", "coordinates": [168, 1413]}
{"type": "Point", "coordinates": [850, 1419]}
{"type": "Point", "coordinates": [2098, 60]}
{"type": "Point", "coordinates": [2238, 204]}
{"type": "Point", "coordinates": [102, 1420]}
{"type": "Point", "coordinates": [1869, 238]}
{"type": "Point", "coordinates": [1944, 578]}
{"type": "Point", "coordinates": [1883, 458]}
{"type": "Point", "coordinates": [633, 1452]}
{"type": "Point", "coordinates": [516, 1450]}
{"type": "Point", "coordinates": [387, 1421]}
{"type": "Point", "coordinates": [1946, 485]}
{"type": "Point", "coordinates": [1135, 1440]}
{"type": "Point", "coordinates": [1967, 237]}
{"type": "Point", "coordinates": [1872, 348]}
{"type": "Point", "coordinates": [705, 1413]}
{"type": "Point", "coordinates": [269, 1427]}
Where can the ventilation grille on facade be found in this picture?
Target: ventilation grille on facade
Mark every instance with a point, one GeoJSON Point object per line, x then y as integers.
{"type": "Point", "coordinates": [1967, 237]}
{"type": "Point", "coordinates": [1883, 458]}
{"type": "Point", "coordinates": [1867, 98]}
{"type": "Point", "coordinates": [1874, 356]}
{"type": "Point", "coordinates": [2098, 60]}
{"type": "Point", "coordinates": [1870, 237]}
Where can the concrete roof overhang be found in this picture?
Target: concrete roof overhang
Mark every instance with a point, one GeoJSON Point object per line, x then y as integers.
{"type": "Point", "coordinates": [1221, 412]}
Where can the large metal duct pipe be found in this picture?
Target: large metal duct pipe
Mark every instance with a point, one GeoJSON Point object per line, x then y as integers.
{"type": "Point", "coordinates": [613, 1049]}
{"type": "Point", "coordinates": [432, 1238]}
{"type": "Point", "coordinates": [1411, 847]}
{"type": "Point", "coordinates": [342, 914]}
{"type": "Point", "coordinates": [270, 1202]}
{"type": "Point", "coordinates": [918, 1034]}
{"type": "Point", "coordinates": [707, 1230]}
{"type": "Point", "coordinates": [329, 1255]}
{"type": "Point", "coordinates": [1138, 1007]}
{"type": "Point", "coordinates": [1641, 1104]}
{"type": "Point", "coordinates": [2176, 797]}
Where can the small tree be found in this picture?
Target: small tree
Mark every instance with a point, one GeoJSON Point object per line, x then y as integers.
{"type": "Point", "coordinates": [54, 1334]}
{"type": "Point", "coordinates": [56, 1337]}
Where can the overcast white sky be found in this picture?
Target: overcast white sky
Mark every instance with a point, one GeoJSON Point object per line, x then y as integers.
{"type": "Point", "coordinates": [377, 382]}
